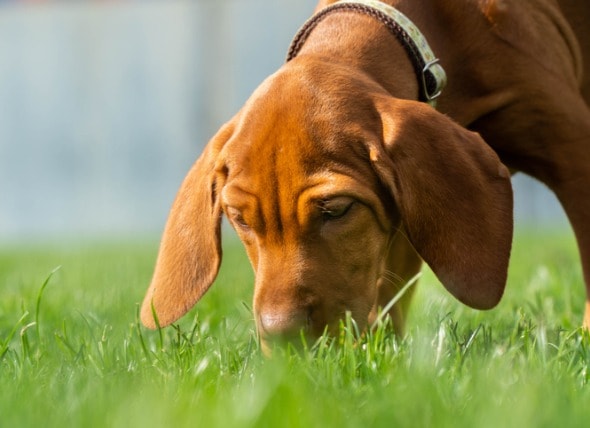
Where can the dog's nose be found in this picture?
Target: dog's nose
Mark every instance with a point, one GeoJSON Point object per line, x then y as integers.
{"type": "Point", "coordinates": [283, 326]}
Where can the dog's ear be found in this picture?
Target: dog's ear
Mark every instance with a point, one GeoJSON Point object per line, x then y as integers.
{"type": "Point", "coordinates": [454, 197]}
{"type": "Point", "coordinates": [190, 251]}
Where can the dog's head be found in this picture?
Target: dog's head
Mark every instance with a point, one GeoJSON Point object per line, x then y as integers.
{"type": "Point", "coordinates": [317, 173]}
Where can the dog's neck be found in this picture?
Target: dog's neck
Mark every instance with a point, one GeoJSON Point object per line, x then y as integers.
{"type": "Point", "coordinates": [359, 42]}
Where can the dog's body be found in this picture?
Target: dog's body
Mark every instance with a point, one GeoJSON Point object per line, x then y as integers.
{"type": "Point", "coordinates": [340, 183]}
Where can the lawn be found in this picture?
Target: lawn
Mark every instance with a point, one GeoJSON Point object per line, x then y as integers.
{"type": "Point", "coordinates": [73, 354]}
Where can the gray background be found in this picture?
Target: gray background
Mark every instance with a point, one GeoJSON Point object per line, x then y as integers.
{"type": "Point", "coordinates": [104, 106]}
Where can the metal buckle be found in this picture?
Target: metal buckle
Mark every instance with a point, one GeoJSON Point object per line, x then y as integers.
{"type": "Point", "coordinates": [439, 85]}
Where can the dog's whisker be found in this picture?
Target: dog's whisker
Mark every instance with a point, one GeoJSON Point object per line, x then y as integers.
{"type": "Point", "coordinates": [392, 277]}
{"type": "Point", "coordinates": [383, 313]}
{"type": "Point", "coordinates": [400, 230]}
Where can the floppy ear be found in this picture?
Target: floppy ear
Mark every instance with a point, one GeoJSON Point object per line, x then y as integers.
{"type": "Point", "coordinates": [190, 251]}
{"type": "Point", "coordinates": [454, 197]}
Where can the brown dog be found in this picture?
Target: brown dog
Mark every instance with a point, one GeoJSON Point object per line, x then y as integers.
{"type": "Point", "coordinates": [340, 182]}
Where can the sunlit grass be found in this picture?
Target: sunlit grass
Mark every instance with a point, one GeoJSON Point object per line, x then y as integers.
{"type": "Point", "coordinates": [72, 352]}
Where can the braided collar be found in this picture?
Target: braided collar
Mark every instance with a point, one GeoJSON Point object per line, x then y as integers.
{"type": "Point", "coordinates": [431, 76]}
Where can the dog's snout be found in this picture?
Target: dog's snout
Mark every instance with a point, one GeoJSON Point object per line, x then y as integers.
{"type": "Point", "coordinates": [283, 326]}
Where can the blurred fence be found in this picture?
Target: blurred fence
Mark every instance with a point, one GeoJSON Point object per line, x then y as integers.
{"type": "Point", "coordinates": [104, 106]}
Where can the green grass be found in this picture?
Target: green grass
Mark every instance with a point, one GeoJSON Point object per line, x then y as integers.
{"type": "Point", "coordinates": [73, 354]}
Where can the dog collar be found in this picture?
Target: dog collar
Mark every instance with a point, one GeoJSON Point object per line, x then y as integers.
{"type": "Point", "coordinates": [431, 75]}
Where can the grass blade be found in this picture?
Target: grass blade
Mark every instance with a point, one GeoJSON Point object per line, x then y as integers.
{"type": "Point", "coordinates": [39, 296]}
{"type": "Point", "coordinates": [6, 344]}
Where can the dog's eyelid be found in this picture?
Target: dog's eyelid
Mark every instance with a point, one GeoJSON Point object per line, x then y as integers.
{"type": "Point", "coordinates": [236, 216]}
{"type": "Point", "coordinates": [332, 209]}
{"type": "Point", "coordinates": [335, 201]}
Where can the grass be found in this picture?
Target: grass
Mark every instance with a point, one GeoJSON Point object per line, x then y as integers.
{"type": "Point", "coordinates": [73, 354]}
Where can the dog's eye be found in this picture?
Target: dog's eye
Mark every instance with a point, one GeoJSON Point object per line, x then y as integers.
{"type": "Point", "coordinates": [334, 210]}
{"type": "Point", "coordinates": [236, 217]}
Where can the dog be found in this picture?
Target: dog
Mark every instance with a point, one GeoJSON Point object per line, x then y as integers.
{"type": "Point", "coordinates": [387, 139]}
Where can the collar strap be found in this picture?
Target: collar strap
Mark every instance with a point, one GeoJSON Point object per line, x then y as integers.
{"type": "Point", "coordinates": [431, 75]}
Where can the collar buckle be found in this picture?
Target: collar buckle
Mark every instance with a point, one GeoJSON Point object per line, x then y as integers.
{"type": "Point", "coordinates": [434, 69]}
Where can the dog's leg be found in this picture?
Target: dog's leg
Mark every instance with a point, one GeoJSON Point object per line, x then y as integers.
{"type": "Point", "coordinates": [574, 195]}
{"type": "Point", "coordinates": [575, 198]}
{"type": "Point", "coordinates": [569, 178]}
{"type": "Point", "coordinates": [401, 265]}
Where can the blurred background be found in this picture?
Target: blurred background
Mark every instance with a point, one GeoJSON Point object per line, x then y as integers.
{"type": "Point", "coordinates": [104, 105]}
